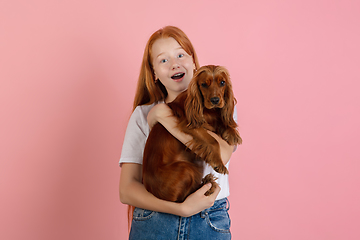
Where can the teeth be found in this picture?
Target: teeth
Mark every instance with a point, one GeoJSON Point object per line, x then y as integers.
{"type": "Point", "coordinates": [177, 76]}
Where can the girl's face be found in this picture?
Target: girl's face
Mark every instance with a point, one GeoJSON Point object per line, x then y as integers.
{"type": "Point", "coordinates": [173, 66]}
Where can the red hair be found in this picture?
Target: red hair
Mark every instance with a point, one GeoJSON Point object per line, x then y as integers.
{"type": "Point", "coordinates": [148, 91]}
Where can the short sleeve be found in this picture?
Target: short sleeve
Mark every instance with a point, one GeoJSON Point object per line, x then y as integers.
{"type": "Point", "coordinates": [136, 135]}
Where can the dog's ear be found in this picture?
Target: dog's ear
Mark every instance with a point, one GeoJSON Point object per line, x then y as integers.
{"type": "Point", "coordinates": [230, 101]}
{"type": "Point", "coordinates": [194, 103]}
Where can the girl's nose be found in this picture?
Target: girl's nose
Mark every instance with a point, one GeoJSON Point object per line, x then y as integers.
{"type": "Point", "coordinates": [174, 64]}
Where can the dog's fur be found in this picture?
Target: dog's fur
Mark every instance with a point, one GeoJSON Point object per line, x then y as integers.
{"type": "Point", "coordinates": [171, 171]}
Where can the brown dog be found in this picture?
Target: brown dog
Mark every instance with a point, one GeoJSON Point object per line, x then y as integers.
{"type": "Point", "coordinates": [171, 171]}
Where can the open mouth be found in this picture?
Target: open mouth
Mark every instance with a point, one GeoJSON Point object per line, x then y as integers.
{"type": "Point", "coordinates": [178, 76]}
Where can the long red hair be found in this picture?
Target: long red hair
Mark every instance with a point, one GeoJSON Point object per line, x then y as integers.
{"type": "Point", "coordinates": [148, 91]}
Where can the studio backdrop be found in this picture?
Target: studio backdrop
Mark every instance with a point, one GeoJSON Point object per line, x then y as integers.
{"type": "Point", "coordinates": [68, 73]}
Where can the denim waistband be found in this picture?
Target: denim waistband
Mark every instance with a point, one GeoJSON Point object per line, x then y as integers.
{"type": "Point", "coordinates": [219, 204]}
{"type": "Point", "coordinates": [212, 223]}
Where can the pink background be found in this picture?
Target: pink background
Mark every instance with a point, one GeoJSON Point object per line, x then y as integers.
{"type": "Point", "coordinates": [68, 72]}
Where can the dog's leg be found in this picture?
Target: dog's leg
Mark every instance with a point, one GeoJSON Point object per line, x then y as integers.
{"type": "Point", "coordinates": [207, 148]}
{"type": "Point", "coordinates": [231, 136]}
{"type": "Point", "coordinates": [177, 180]}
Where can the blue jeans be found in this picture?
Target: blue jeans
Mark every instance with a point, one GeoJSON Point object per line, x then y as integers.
{"type": "Point", "coordinates": [212, 223]}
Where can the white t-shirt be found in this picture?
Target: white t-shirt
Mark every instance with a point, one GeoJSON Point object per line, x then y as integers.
{"type": "Point", "coordinates": [136, 135]}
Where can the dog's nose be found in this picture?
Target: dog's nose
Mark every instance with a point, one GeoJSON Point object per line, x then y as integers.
{"type": "Point", "coordinates": [215, 100]}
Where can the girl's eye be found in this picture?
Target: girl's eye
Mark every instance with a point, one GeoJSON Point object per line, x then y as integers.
{"type": "Point", "coordinates": [163, 60]}
{"type": "Point", "coordinates": [180, 55]}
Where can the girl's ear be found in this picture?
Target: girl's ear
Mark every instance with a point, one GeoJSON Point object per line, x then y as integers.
{"type": "Point", "coordinates": [155, 77]}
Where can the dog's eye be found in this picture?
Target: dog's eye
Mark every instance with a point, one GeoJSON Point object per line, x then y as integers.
{"type": "Point", "coordinates": [204, 85]}
{"type": "Point", "coordinates": [222, 83]}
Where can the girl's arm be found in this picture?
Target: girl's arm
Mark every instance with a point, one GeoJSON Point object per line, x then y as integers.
{"type": "Point", "coordinates": [133, 192]}
{"type": "Point", "coordinates": [162, 113]}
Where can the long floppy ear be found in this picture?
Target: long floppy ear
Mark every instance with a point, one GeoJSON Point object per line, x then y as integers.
{"type": "Point", "coordinates": [230, 101]}
{"type": "Point", "coordinates": [194, 104]}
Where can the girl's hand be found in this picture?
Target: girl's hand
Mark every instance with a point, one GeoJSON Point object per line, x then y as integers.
{"type": "Point", "coordinates": [198, 202]}
{"type": "Point", "coordinates": [133, 192]}
{"type": "Point", "coordinates": [158, 113]}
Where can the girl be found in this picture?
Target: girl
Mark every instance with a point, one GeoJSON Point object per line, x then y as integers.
{"type": "Point", "coordinates": [168, 65]}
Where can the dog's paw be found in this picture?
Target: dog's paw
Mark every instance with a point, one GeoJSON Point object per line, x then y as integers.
{"type": "Point", "coordinates": [221, 169]}
{"type": "Point", "coordinates": [210, 179]}
{"type": "Point", "coordinates": [211, 190]}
